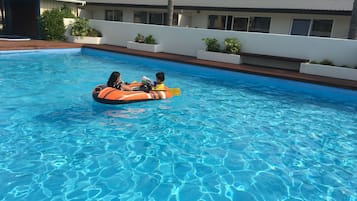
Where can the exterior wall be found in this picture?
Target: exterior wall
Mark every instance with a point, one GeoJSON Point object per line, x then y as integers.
{"type": "Point", "coordinates": [87, 12]}
{"type": "Point", "coordinates": [199, 20]}
{"type": "Point", "coordinates": [341, 27]}
{"type": "Point", "coordinates": [187, 41]}
{"type": "Point", "coordinates": [128, 15]}
{"type": "Point", "coordinates": [98, 12]}
{"type": "Point", "coordinates": [185, 20]}
{"type": "Point", "coordinates": [280, 22]}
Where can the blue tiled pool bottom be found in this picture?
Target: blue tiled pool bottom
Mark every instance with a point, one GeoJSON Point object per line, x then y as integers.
{"type": "Point", "coordinates": [229, 136]}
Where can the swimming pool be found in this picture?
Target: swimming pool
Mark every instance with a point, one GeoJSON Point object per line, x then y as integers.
{"type": "Point", "coordinates": [229, 136]}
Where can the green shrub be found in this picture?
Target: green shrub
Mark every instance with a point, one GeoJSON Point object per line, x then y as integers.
{"type": "Point", "coordinates": [51, 25]}
{"type": "Point", "coordinates": [139, 38]}
{"type": "Point", "coordinates": [149, 40]}
{"type": "Point", "coordinates": [327, 62]}
{"type": "Point", "coordinates": [211, 44]}
{"type": "Point", "coordinates": [67, 12]}
{"type": "Point", "coordinates": [81, 28]}
{"type": "Point", "coordinates": [232, 45]}
{"type": "Point", "coordinates": [313, 62]}
{"type": "Point", "coordinates": [142, 39]}
{"type": "Point", "coordinates": [330, 63]}
{"type": "Point", "coordinates": [94, 33]}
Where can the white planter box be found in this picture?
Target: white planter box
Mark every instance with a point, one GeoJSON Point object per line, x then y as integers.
{"type": "Point", "coordinates": [218, 56]}
{"type": "Point", "coordinates": [329, 71]}
{"type": "Point", "coordinates": [85, 39]}
{"type": "Point", "coordinates": [144, 46]}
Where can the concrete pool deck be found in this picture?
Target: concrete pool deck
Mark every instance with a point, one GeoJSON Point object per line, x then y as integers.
{"type": "Point", "coordinates": [272, 72]}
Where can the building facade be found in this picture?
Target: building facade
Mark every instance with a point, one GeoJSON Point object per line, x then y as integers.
{"type": "Point", "coordinates": [322, 18]}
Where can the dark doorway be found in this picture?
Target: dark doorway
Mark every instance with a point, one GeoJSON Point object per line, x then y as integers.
{"type": "Point", "coordinates": [21, 17]}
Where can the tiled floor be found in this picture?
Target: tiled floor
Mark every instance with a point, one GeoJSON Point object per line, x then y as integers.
{"type": "Point", "coordinates": [37, 44]}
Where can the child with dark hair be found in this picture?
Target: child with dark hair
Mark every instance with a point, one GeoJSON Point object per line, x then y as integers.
{"type": "Point", "coordinates": [115, 81]}
{"type": "Point", "coordinates": [159, 83]}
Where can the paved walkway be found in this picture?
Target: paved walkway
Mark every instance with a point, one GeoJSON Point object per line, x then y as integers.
{"type": "Point", "coordinates": [38, 44]}
{"type": "Point", "coordinates": [35, 44]}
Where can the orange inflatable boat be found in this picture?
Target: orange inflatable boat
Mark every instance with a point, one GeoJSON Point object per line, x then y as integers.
{"type": "Point", "coordinates": [109, 95]}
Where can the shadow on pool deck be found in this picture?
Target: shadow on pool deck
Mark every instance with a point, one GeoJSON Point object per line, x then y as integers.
{"type": "Point", "coordinates": [272, 72]}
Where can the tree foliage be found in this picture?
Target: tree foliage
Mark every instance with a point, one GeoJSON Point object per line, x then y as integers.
{"type": "Point", "coordinates": [52, 26]}
{"type": "Point", "coordinates": [67, 12]}
{"type": "Point", "coordinates": [81, 27]}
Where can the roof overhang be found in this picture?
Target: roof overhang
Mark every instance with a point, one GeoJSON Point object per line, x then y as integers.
{"type": "Point", "coordinates": [225, 9]}
{"type": "Point", "coordinates": [74, 1]}
{"type": "Point", "coordinates": [323, 5]}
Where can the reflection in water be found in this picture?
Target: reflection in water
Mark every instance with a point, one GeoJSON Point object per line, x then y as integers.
{"type": "Point", "coordinates": [131, 113]}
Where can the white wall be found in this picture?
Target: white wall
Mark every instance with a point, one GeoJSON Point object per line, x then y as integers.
{"type": "Point", "coordinates": [187, 41]}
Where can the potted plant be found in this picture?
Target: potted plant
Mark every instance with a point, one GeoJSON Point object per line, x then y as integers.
{"type": "Point", "coordinates": [143, 43]}
{"type": "Point", "coordinates": [329, 69]}
{"type": "Point", "coordinates": [212, 44]}
{"type": "Point", "coordinates": [229, 54]}
{"type": "Point", "coordinates": [81, 32]}
{"type": "Point", "coordinates": [232, 46]}
{"type": "Point", "coordinates": [150, 40]}
{"type": "Point", "coordinates": [139, 38]}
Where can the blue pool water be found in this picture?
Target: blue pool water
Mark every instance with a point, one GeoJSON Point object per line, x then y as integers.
{"type": "Point", "coordinates": [228, 136]}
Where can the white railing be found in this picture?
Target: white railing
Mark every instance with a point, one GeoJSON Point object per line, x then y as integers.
{"type": "Point", "coordinates": [187, 41]}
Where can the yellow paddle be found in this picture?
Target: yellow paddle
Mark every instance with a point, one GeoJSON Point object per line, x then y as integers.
{"type": "Point", "coordinates": [174, 91]}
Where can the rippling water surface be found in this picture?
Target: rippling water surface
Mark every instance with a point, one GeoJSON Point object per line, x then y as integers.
{"type": "Point", "coordinates": [228, 136]}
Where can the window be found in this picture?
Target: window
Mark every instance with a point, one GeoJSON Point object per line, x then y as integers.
{"type": "Point", "coordinates": [300, 27]}
{"type": "Point", "coordinates": [259, 24]}
{"type": "Point", "coordinates": [113, 15]}
{"type": "Point", "coordinates": [240, 24]}
{"type": "Point", "coordinates": [174, 19]}
{"type": "Point", "coordinates": [217, 22]}
{"type": "Point", "coordinates": [256, 24]}
{"type": "Point", "coordinates": [307, 27]}
{"type": "Point", "coordinates": [229, 22]}
{"type": "Point", "coordinates": [154, 18]}
{"type": "Point", "coordinates": [321, 28]}
{"type": "Point", "coordinates": [140, 17]}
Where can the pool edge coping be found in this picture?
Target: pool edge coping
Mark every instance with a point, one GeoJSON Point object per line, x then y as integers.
{"type": "Point", "coordinates": [264, 71]}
